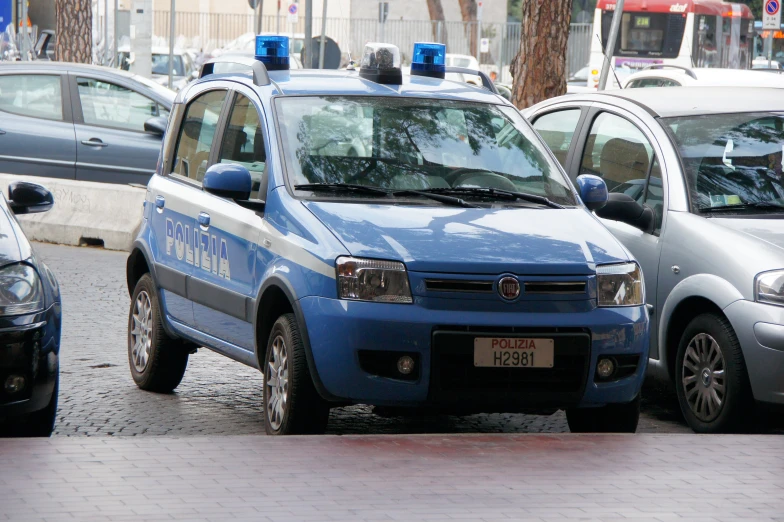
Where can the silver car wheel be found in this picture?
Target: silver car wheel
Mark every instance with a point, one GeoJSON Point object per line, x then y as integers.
{"type": "Point", "coordinates": [704, 382]}
{"type": "Point", "coordinates": [141, 333]}
{"type": "Point", "coordinates": [277, 380]}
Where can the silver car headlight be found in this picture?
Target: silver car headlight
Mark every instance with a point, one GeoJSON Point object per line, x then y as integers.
{"type": "Point", "coordinates": [769, 288]}
{"type": "Point", "coordinates": [372, 280]}
{"type": "Point", "coordinates": [20, 290]}
{"type": "Point", "coordinates": [620, 285]}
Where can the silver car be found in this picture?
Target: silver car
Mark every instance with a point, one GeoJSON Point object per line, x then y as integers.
{"type": "Point", "coordinates": [697, 195]}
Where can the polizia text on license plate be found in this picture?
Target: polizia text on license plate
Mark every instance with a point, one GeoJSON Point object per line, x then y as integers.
{"type": "Point", "coordinates": [513, 352]}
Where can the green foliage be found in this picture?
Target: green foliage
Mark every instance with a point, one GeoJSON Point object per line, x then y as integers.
{"type": "Point", "coordinates": [755, 6]}
{"type": "Point", "coordinates": [514, 10]}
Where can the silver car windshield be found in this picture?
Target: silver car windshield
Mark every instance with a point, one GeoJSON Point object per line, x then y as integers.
{"type": "Point", "coordinates": [396, 144]}
{"type": "Point", "coordinates": [733, 163]}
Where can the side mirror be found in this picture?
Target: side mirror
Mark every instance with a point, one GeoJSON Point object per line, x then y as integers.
{"type": "Point", "coordinates": [156, 125]}
{"type": "Point", "coordinates": [593, 191]}
{"type": "Point", "coordinates": [622, 207]}
{"type": "Point", "coordinates": [29, 198]}
{"type": "Point", "coordinates": [228, 180]}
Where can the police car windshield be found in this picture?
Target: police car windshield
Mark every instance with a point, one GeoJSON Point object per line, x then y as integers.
{"type": "Point", "coordinates": [412, 144]}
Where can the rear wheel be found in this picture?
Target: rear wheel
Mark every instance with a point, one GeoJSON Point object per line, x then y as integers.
{"type": "Point", "coordinates": [613, 418]}
{"type": "Point", "coordinates": [291, 403]}
{"type": "Point", "coordinates": [710, 377]}
{"type": "Point", "coordinates": [157, 361]}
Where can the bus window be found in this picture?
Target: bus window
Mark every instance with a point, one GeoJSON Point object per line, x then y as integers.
{"type": "Point", "coordinates": [647, 34]}
{"type": "Point", "coordinates": [705, 53]}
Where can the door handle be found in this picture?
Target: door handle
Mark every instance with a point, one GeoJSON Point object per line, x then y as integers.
{"type": "Point", "coordinates": [160, 202]}
{"type": "Point", "coordinates": [204, 220]}
{"type": "Point", "coordinates": [2, 132]}
{"type": "Point", "coordinates": [94, 142]}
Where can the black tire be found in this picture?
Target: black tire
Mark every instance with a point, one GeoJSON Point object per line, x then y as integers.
{"type": "Point", "coordinates": [41, 423]}
{"type": "Point", "coordinates": [303, 412]}
{"type": "Point", "coordinates": [737, 403]}
{"type": "Point", "coordinates": [166, 358]}
{"type": "Point", "coordinates": [613, 418]}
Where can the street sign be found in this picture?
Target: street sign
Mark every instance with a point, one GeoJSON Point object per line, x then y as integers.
{"type": "Point", "coordinates": [484, 46]}
{"type": "Point", "coordinates": [5, 14]}
{"type": "Point", "coordinates": [293, 14]}
{"type": "Point", "coordinates": [771, 15]}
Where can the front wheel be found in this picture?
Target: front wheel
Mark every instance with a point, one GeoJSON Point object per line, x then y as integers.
{"type": "Point", "coordinates": [292, 405]}
{"type": "Point", "coordinates": [157, 361]}
{"type": "Point", "coordinates": [710, 377]}
{"type": "Point", "coordinates": [613, 418]}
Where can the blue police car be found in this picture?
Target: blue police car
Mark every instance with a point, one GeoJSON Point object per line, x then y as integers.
{"type": "Point", "coordinates": [368, 237]}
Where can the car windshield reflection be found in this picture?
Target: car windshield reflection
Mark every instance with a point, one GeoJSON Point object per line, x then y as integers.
{"type": "Point", "coordinates": [408, 144]}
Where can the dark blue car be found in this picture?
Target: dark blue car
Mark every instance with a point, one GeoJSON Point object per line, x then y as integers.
{"type": "Point", "coordinates": [30, 321]}
{"type": "Point", "coordinates": [369, 237]}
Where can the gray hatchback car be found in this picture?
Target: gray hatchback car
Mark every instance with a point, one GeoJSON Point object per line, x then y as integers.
{"type": "Point", "coordinates": [697, 195]}
{"type": "Point", "coordinates": [72, 121]}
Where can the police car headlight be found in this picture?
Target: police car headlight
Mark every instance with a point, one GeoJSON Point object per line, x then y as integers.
{"type": "Point", "coordinates": [20, 290]}
{"type": "Point", "coordinates": [769, 288]}
{"type": "Point", "coordinates": [372, 280]}
{"type": "Point", "coordinates": [620, 285]}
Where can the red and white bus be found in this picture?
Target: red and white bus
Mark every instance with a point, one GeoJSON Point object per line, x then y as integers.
{"type": "Point", "coordinates": [688, 33]}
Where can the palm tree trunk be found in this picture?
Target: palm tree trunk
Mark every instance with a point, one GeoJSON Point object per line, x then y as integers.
{"type": "Point", "coordinates": [468, 11]}
{"type": "Point", "coordinates": [539, 69]}
{"type": "Point", "coordinates": [74, 31]}
{"type": "Point", "coordinates": [437, 15]}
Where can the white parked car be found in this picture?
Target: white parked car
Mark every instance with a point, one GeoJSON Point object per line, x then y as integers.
{"type": "Point", "coordinates": [466, 61]}
{"type": "Point", "coordinates": [671, 76]}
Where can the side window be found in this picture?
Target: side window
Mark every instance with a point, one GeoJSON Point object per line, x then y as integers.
{"type": "Point", "coordinates": [243, 143]}
{"type": "Point", "coordinates": [110, 105]}
{"type": "Point", "coordinates": [617, 151]}
{"type": "Point", "coordinates": [654, 195]}
{"type": "Point", "coordinates": [197, 131]}
{"type": "Point", "coordinates": [34, 95]}
{"type": "Point", "coordinates": [557, 130]}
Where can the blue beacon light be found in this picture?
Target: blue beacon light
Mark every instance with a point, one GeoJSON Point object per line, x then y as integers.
{"type": "Point", "coordinates": [273, 52]}
{"type": "Point", "coordinates": [429, 60]}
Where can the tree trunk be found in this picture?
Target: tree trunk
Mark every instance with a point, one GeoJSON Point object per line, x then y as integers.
{"type": "Point", "coordinates": [539, 69]}
{"type": "Point", "coordinates": [468, 11]}
{"type": "Point", "coordinates": [74, 31]}
{"type": "Point", "coordinates": [437, 15]}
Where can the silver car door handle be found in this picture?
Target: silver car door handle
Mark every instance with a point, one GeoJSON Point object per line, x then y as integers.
{"type": "Point", "coordinates": [204, 220]}
{"type": "Point", "coordinates": [2, 132]}
{"type": "Point", "coordinates": [94, 142]}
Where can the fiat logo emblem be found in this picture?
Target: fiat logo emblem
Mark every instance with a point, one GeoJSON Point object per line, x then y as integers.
{"type": "Point", "coordinates": [509, 288]}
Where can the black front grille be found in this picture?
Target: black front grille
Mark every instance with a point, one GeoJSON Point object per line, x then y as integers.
{"type": "Point", "coordinates": [454, 378]}
{"type": "Point", "coordinates": [458, 285]}
{"type": "Point", "coordinates": [555, 287]}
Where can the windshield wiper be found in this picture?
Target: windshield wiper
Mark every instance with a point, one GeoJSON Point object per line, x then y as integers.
{"type": "Point", "coordinates": [449, 200]}
{"type": "Point", "coordinates": [342, 187]}
{"type": "Point", "coordinates": [742, 206]}
{"type": "Point", "coordinates": [364, 189]}
{"type": "Point", "coordinates": [481, 191]}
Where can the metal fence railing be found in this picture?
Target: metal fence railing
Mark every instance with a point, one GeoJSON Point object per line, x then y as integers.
{"type": "Point", "coordinates": [208, 31]}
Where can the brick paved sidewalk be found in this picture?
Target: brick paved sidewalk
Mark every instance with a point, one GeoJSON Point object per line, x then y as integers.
{"type": "Point", "coordinates": [414, 477]}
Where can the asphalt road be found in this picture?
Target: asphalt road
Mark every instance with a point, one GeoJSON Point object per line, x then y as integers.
{"type": "Point", "coordinates": [217, 396]}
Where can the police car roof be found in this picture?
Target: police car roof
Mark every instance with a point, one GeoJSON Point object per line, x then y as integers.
{"type": "Point", "coordinates": [318, 82]}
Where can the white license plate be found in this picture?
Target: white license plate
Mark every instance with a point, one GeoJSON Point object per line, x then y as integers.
{"type": "Point", "coordinates": [513, 352]}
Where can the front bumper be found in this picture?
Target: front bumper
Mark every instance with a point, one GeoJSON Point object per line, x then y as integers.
{"type": "Point", "coordinates": [760, 330]}
{"type": "Point", "coordinates": [338, 330]}
{"type": "Point", "coordinates": [29, 347]}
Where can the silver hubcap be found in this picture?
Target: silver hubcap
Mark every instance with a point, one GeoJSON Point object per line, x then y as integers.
{"type": "Point", "coordinates": [277, 381]}
{"type": "Point", "coordinates": [703, 377]}
{"type": "Point", "coordinates": [141, 331]}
